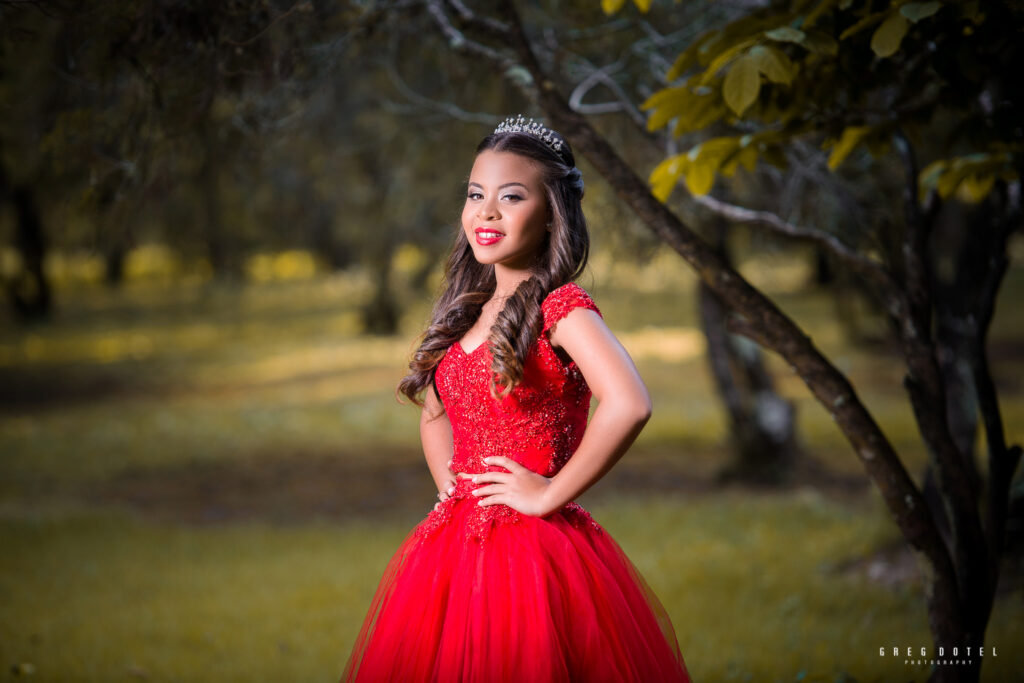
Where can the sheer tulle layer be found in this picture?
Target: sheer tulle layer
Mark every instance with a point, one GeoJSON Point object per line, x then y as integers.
{"type": "Point", "coordinates": [539, 600]}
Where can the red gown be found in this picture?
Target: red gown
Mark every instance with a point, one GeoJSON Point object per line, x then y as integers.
{"type": "Point", "coordinates": [487, 594]}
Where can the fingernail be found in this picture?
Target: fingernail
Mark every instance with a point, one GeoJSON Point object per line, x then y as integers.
{"type": "Point", "coordinates": [473, 480]}
{"type": "Point", "coordinates": [451, 490]}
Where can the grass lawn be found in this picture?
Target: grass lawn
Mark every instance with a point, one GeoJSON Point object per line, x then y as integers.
{"type": "Point", "coordinates": [204, 484]}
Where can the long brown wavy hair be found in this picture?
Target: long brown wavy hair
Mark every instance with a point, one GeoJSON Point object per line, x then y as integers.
{"type": "Point", "coordinates": [468, 284]}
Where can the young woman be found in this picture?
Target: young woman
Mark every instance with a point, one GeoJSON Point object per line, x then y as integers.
{"type": "Point", "coordinates": [508, 579]}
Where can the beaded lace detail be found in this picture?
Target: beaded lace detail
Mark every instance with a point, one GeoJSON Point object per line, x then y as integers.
{"type": "Point", "coordinates": [539, 424]}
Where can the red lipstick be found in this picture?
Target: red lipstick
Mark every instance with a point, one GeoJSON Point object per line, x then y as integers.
{"type": "Point", "coordinates": [486, 236]}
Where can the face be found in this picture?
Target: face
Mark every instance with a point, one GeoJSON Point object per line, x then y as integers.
{"type": "Point", "coordinates": [506, 212]}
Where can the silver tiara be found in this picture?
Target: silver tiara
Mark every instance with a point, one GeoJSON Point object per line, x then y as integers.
{"type": "Point", "coordinates": [537, 129]}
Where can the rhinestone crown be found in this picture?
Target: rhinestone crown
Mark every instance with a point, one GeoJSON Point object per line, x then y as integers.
{"type": "Point", "coordinates": [518, 124]}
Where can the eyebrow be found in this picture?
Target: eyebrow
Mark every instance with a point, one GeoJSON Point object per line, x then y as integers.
{"type": "Point", "coordinates": [502, 187]}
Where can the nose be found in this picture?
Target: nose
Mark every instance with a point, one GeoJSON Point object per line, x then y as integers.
{"type": "Point", "coordinates": [488, 210]}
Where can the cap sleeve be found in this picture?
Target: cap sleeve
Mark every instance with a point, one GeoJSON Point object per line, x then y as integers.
{"type": "Point", "coordinates": [562, 300]}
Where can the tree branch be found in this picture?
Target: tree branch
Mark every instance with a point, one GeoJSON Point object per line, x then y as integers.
{"type": "Point", "coordinates": [927, 393]}
{"type": "Point", "coordinates": [601, 76]}
{"type": "Point", "coordinates": [449, 108]}
{"type": "Point", "coordinates": [739, 214]}
{"type": "Point", "coordinates": [1002, 460]}
{"type": "Point", "coordinates": [459, 41]}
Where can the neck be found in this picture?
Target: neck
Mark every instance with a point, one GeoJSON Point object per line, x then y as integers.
{"type": "Point", "coordinates": [507, 279]}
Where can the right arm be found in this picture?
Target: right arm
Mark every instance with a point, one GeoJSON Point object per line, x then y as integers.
{"type": "Point", "coordinates": [438, 444]}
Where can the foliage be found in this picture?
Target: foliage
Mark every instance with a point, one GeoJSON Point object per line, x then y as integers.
{"type": "Point", "coordinates": [852, 72]}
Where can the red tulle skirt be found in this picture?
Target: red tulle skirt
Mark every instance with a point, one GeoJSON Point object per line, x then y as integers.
{"type": "Point", "coordinates": [485, 594]}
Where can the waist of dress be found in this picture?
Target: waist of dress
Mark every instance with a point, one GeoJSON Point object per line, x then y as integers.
{"type": "Point", "coordinates": [543, 463]}
{"type": "Point", "coordinates": [481, 519]}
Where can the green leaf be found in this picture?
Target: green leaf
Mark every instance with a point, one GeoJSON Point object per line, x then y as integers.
{"type": "Point", "coordinates": [887, 37]}
{"type": "Point", "coordinates": [929, 176]}
{"type": "Point", "coordinates": [850, 138]}
{"type": "Point", "coordinates": [746, 156]}
{"type": "Point", "coordinates": [700, 177]}
{"type": "Point", "coordinates": [723, 58]}
{"type": "Point", "coordinates": [821, 43]}
{"type": "Point", "coordinates": [612, 6]}
{"type": "Point", "coordinates": [714, 150]}
{"type": "Point", "coordinates": [812, 16]}
{"type": "Point", "coordinates": [862, 24]}
{"type": "Point", "coordinates": [665, 175]}
{"type": "Point", "coordinates": [688, 57]}
{"type": "Point", "coordinates": [974, 188]}
{"type": "Point", "coordinates": [916, 11]}
{"type": "Point", "coordinates": [668, 104]}
{"type": "Point", "coordinates": [705, 111]}
{"type": "Point", "coordinates": [742, 84]}
{"type": "Point", "coordinates": [773, 63]}
{"type": "Point", "coordinates": [786, 34]}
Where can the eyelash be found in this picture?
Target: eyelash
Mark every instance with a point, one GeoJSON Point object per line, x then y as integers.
{"type": "Point", "coordinates": [477, 196]}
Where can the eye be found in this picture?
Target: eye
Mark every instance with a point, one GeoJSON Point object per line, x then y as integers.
{"type": "Point", "coordinates": [473, 194]}
{"type": "Point", "coordinates": [512, 197]}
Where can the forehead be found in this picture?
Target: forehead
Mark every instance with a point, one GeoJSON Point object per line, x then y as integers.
{"type": "Point", "coordinates": [497, 168]}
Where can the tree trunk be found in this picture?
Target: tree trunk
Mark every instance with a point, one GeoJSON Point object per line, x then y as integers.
{"type": "Point", "coordinates": [325, 242]}
{"type": "Point", "coordinates": [113, 264]}
{"type": "Point", "coordinates": [761, 423]}
{"type": "Point", "coordinates": [29, 290]}
{"type": "Point", "coordinates": [380, 314]}
{"type": "Point", "coordinates": [222, 259]}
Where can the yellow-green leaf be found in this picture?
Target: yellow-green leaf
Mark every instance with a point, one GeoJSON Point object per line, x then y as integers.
{"type": "Point", "coordinates": [948, 182]}
{"type": "Point", "coordinates": [689, 56]}
{"type": "Point", "coordinates": [887, 37]}
{"type": "Point", "coordinates": [714, 150]}
{"type": "Point", "coordinates": [700, 177]}
{"type": "Point", "coordinates": [929, 176]}
{"type": "Point", "coordinates": [612, 6]}
{"type": "Point", "coordinates": [821, 43]}
{"type": "Point", "coordinates": [974, 188]}
{"type": "Point", "coordinates": [916, 11]}
{"type": "Point", "coordinates": [851, 136]}
{"type": "Point", "coordinates": [642, 5]}
{"type": "Point", "coordinates": [660, 97]}
{"type": "Point", "coordinates": [812, 16]}
{"type": "Point", "coordinates": [665, 176]}
{"type": "Point", "coordinates": [742, 84]}
{"type": "Point", "coordinates": [722, 59]}
{"type": "Point", "coordinates": [746, 156]}
{"type": "Point", "coordinates": [703, 111]}
{"type": "Point", "coordinates": [862, 24]}
{"type": "Point", "coordinates": [786, 34]}
{"type": "Point", "coordinates": [773, 63]}
{"type": "Point", "coordinates": [676, 102]}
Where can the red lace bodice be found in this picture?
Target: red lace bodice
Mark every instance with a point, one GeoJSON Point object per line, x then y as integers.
{"type": "Point", "coordinates": [539, 424]}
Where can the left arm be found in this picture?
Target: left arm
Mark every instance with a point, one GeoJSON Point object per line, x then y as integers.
{"type": "Point", "coordinates": [624, 406]}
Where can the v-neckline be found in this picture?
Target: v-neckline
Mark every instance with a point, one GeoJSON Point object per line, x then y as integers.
{"type": "Point", "coordinates": [475, 348]}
